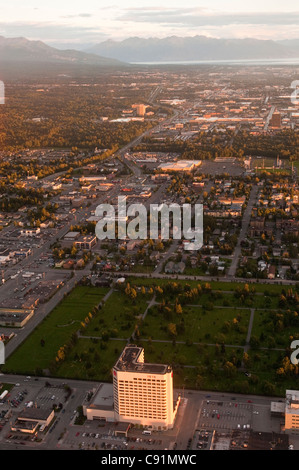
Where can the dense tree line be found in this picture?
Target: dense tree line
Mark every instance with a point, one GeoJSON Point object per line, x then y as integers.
{"type": "Point", "coordinates": [65, 116]}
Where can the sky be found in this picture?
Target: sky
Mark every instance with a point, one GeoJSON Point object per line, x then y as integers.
{"type": "Point", "coordinates": [80, 24]}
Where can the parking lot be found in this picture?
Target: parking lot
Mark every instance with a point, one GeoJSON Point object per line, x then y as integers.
{"type": "Point", "coordinates": [47, 397]}
{"type": "Point", "coordinates": [226, 415]}
{"type": "Point", "coordinates": [222, 421]}
{"type": "Point", "coordinates": [20, 395]}
{"type": "Point", "coordinates": [214, 168]}
{"type": "Point", "coordinates": [94, 435]}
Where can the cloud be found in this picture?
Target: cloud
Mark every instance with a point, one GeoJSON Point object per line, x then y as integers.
{"type": "Point", "coordinates": [52, 33]}
{"type": "Point", "coordinates": [113, 21]}
{"type": "Point", "coordinates": [161, 21]}
{"type": "Point", "coordinates": [80, 15]}
{"type": "Point", "coordinates": [195, 17]}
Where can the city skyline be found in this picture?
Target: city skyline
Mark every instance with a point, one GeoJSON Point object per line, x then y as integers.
{"type": "Point", "coordinates": [79, 26]}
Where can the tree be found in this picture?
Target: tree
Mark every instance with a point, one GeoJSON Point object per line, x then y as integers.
{"type": "Point", "coordinates": [73, 251]}
{"type": "Point", "coordinates": [60, 354]}
{"type": "Point", "coordinates": [143, 291]}
{"type": "Point", "coordinates": [246, 359]}
{"type": "Point", "coordinates": [178, 309]}
{"type": "Point", "coordinates": [172, 329]}
{"type": "Point", "coordinates": [230, 369]}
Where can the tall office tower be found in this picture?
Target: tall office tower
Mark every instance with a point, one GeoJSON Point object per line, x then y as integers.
{"type": "Point", "coordinates": [140, 109]}
{"type": "Point", "coordinates": [275, 120]}
{"type": "Point", "coordinates": [143, 393]}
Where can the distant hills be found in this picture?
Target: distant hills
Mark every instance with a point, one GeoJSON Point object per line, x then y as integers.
{"type": "Point", "coordinates": [22, 56]}
{"type": "Point", "coordinates": [23, 51]}
{"type": "Point", "coordinates": [292, 43]}
{"type": "Point", "coordinates": [195, 48]}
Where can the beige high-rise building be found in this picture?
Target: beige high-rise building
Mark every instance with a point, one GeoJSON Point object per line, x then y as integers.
{"type": "Point", "coordinates": [292, 410]}
{"type": "Point", "coordinates": [275, 120]}
{"type": "Point", "coordinates": [143, 393]}
{"type": "Point", "coordinates": [140, 109]}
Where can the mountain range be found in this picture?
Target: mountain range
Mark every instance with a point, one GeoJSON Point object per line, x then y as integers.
{"type": "Point", "coordinates": [194, 48]}
{"type": "Point", "coordinates": [21, 50]}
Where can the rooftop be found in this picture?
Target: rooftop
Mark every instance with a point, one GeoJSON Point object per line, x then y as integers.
{"type": "Point", "coordinates": [37, 414]}
{"type": "Point", "coordinates": [292, 401]}
{"type": "Point", "coordinates": [130, 361]}
{"type": "Point", "coordinates": [103, 398]}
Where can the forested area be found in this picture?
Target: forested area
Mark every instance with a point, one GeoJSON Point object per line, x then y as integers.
{"type": "Point", "coordinates": [65, 115]}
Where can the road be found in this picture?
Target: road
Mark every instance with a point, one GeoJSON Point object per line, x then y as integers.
{"type": "Point", "coordinates": [269, 118]}
{"type": "Point", "coordinates": [168, 254]}
{"type": "Point", "coordinates": [41, 312]}
{"type": "Point", "coordinates": [190, 415]}
{"type": "Point", "coordinates": [8, 288]}
{"type": "Point", "coordinates": [122, 152]}
{"type": "Point", "coordinates": [244, 231]}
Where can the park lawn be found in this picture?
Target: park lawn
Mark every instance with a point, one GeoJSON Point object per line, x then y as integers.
{"type": "Point", "coordinates": [189, 355]}
{"type": "Point", "coordinates": [90, 360]}
{"type": "Point", "coordinates": [197, 325]}
{"type": "Point", "coordinates": [190, 378]}
{"type": "Point", "coordinates": [257, 300]}
{"type": "Point", "coordinates": [118, 316]}
{"type": "Point", "coordinates": [93, 360]}
{"type": "Point", "coordinates": [215, 285]}
{"type": "Point", "coordinates": [264, 329]}
{"type": "Point", "coordinates": [56, 330]}
{"type": "Point", "coordinates": [195, 366]}
{"type": "Point", "coordinates": [259, 287]}
{"type": "Point", "coordinates": [228, 299]}
{"type": "Point", "coordinates": [264, 364]}
{"type": "Point", "coordinates": [201, 367]}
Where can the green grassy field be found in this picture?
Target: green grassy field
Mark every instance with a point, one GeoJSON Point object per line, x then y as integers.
{"type": "Point", "coordinates": [117, 318]}
{"type": "Point", "coordinates": [210, 332]}
{"type": "Point", "coordinates": [215, 285]}
{"type": "Point", "coordinates": [198, 325]}
{"type": "Point", "coordinates": [91, 360]}
{"type": "Point", "coordinates": [55, 331]}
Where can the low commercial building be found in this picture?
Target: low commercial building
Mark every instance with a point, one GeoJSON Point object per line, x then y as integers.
{"type": "Point", "coordinates": [180, 165]}
{"type": "Point", "coordinates": [85, 242]}
{"type": "Point", "coordinates": [30, 419]}
{"type": "Point", "coordinates": [30, 232]}
{"type": "Point", "coordinates": [5, 256]}
{"type": "Point", "coordinates": [277, 408]}
{"type": "Point", "coordinates": [70, 238]}
{"type": "Point", "coordinates": [81, 242]}
{"type": "Point", "coordinates": [101, 405]}
{"type": "Point", "coordinates": [15, 317]}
